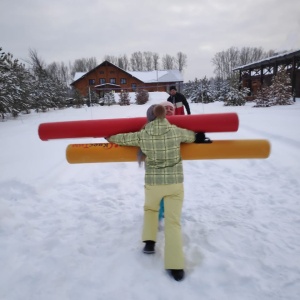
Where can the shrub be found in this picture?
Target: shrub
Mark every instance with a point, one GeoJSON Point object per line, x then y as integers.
{"type": "Point", "coordinates": [141, 96]}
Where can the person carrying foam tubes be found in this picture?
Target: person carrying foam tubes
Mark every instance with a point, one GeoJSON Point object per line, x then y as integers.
{"type": "Point", "coordinates": [160, 142]}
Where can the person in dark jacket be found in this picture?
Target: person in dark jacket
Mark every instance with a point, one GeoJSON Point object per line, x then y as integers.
{"type": "Point", "coordinates": [178, 101]}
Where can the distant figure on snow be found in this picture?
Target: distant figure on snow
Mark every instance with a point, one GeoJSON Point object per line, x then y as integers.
{"type": "Point", "coordinates": [179, 101]}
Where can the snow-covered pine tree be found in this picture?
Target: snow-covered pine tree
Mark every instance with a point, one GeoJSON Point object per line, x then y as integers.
{"type": "Point", "coordinates": [109, 98]}
{"type": "Point", "coordinates": [236, 95]}
{"type": "Point", "coordinates": [262, 98]}
{"type": "Point", "coordinates": [58, 93]}
{"type": "Point", "coordinates": [124, 98]}
{"type": "Point", "coordinates": [48, 90]}
{"type": "Point", "coordinates": [225, 89]}
{"type": "Point", "coordinates": [15, 86]}
{"type": "Point", "coordinates": [23, 85]}
{"type": "Point", "coordinates": [7, 83]}
{"type": "Point", "coordinates": [219, 89]}
{"type": "Point", "coordinates": [141, 96]}
{"type": "Point", "coordinates": [193, 91]}
{"type": "Point", "coordinates": [78, 99]}
{"type": "Point", "coordinates": [41, 92]}
{"type": "Point", "coordinates": [281, 89]}
{"type": "Point", "coordinates": [206, 92]}
{"type": "Point", "coordinates": [188, 88]}
{"type": "Point", "coordinates": [198, 90]}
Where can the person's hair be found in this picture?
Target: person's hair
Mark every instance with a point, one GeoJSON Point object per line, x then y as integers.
{"type": "Point", "coordinates": [159, 111]}
{"type": "Point", "coordinates": [150, 113]}
{"type": "Point", "coordinates": [173, 87]}
{"type": "Point", "coordinates": [167, 103]}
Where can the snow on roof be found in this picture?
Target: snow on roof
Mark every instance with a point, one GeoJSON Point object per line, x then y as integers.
{"type": "Point", "coordinates": [148, 76]}
{"type": "Point", "coordinates": [157, 76]}
{"type": "Point", "coordinates": [78, 75]}
{"type": "Point", "coordinates": [266, 59]}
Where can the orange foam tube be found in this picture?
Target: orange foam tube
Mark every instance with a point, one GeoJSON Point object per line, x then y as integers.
{"type": "Point", "coordinates": [220, 149]}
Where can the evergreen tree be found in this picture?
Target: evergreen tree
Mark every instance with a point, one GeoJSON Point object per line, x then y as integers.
{"type": "Point", "coordinates": [281, 89]}
{"type": "Point", "coordinates": [225, 89]}
{"type": "Point", "coordinates": [78, 99]}
{"type": "Point", "coordinates": [42, 92]}
{"type": "Point", "coordinates": [124, 98]}
{"type": "Point", "coordinates": [219, 89]}
{"type": "Point", "coordinates": [7, 83]}
{"type": "Point", "coordinates": [263, 97]}
{"type": "Point", "coordinates": [15, 86]}
{"type": "Point", "coordinates": [278, 93]}
{"type": "Point", "coordinates": [109, 98]}
{"type": "Point", "coordinates": [195, 91]}
{"type": "Point", "coordinates": [49, 91]}
{"type": "Point", "coordinates": [206, 93]}
{"type": "Point", "coordinates": [188, 88]}
{"type": "Point", "coordinates": [24, 82]}
{"type": "Point", "coordinates": [236, 95]}
{"type": "Point", "coordinates": [199, 91]}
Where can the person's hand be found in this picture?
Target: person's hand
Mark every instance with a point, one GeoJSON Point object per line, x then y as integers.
{"type": "Point", "coordinates": [200, 138]}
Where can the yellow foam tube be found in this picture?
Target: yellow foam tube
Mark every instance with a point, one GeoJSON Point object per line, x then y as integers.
{"type": "Point", "coordinates": [221, 149]}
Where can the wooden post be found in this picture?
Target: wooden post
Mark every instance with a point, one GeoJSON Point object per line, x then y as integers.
{"type": "Point", "coordinates": [293, 77]}
{"type": "Point", "coordinates": [261, 76]}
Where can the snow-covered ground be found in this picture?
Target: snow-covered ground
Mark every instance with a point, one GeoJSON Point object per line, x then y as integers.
{"type": "Point", "coordinates": [74, 231]}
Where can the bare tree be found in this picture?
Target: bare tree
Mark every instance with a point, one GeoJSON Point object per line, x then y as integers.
{"type": "Point", "coordinates": [123, 62]}
{"type": "Point", "coordinates": [83, 65]}
{"type": "Point", "coordinates": [232, 59]}
{"type": "Point", "coordinates": [112, 59]}
{"type": "Point", "coordinates": [38, 65]}
{"type": "Point", "coordinates": [181, 61]}
{"type": "Point", "coordinates": [219, 63]}
{"type": "Point", "coordinates": [168, 62]}
{"type": "Point", "coordinates": [91, 63]}
{"type": "Point", "coordinates": [65, 73]}
{"type": "Point", "coordinates": [136, 61]}
{"type": "Point", "coordinates": [248, 55]}
{"type": "Point", "coordinates": [257, 54]}
{"type": "Point", "coordinates": [59, 71]}
{"type": "Point", "coordinates": [244, 56]}
{"type": "Point", "coordinates": [270, 53]}
{"type": "Point", "coordinates": [155, 61]}
{"type": "Point", "coordinates": [148, 57]}
{"type": "Point", "coordinates": [226, 61]}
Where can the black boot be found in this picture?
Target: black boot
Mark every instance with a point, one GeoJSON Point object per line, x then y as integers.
{"type": "Point", "coordinates": [178, 275]}
{"type": "Point", "coordinates": [149, 247]}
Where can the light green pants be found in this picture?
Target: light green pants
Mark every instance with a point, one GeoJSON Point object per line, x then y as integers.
{"type": "Point", "coordinates": [173, 199]}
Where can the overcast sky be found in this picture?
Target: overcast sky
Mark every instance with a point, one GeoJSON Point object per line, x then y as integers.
{"type": "Point", "coordinates": [65, 30]}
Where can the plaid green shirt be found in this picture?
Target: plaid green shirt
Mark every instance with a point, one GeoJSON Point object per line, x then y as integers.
{"type": "Point", "coordinates": [160, 142]}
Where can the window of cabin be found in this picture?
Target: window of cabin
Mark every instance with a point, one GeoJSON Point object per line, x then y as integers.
{"type": "Point", "coordinates": [112, 80]}
{"type": "Point", "coordinates": [102, 80]}
{"type": "Point", "coordinates": [91, 81]}
{"type": "Point", "coordinates": [123, 81]}
{"type": "Point", "coordinates": [133, 86]}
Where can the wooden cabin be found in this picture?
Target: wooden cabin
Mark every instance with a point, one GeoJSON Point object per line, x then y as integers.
{"type": "Point", "coordinates": [108, 77]}
{"type": "Point", "coordinates": [257, 74]}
